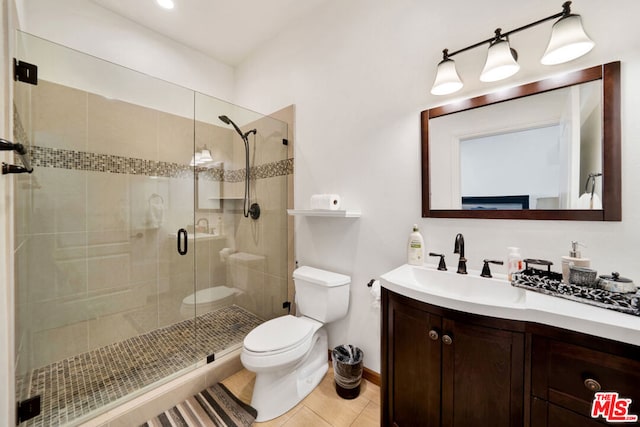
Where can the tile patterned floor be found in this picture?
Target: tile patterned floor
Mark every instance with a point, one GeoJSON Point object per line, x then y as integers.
{"type": "Point", "coordinates": [76, 386]}
{"type": "Point", "coordinates": [321, 408]}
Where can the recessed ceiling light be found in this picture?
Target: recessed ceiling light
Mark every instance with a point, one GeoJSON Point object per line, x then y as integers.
{"type": "Point", "coordinates": [167, 4]}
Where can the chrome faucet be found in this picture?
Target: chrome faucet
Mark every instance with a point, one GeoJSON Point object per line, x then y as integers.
{"type": "Point", "coordinates": [459, 249]}
{"type": "Point", "coordinates": [206, 221]}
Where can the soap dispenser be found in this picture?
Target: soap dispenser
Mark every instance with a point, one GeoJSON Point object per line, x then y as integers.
{"type": "Point", "coordinates": [574, 259]}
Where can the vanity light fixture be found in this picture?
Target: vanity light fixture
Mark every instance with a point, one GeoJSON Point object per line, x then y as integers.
{"type": "Point", "coordinates": [166, 4]}
{"type": "Point", "coordinates": [502, 60]}
{"type": "Point", "coordinates": [568, 41]}
{"type": "Point", "coordinates": [447, 78]}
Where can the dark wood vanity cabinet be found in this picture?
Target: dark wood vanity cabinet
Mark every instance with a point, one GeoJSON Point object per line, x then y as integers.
{"type": "Point", "coordinates": [567, 369]}
{"type": "Point", "coordinates": [445, 368]}
{"type": "Point", "coordinates": [442, 367]}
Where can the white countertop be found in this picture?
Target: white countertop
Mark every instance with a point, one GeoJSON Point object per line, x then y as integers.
{"type": "Point", "coordinates": [496, 297]}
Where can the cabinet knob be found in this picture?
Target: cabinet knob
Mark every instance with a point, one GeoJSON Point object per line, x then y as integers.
{"type": "Point", "coordinates": [592, 385]}
{"type": "Point", "coordinates": [447, 339]}
{"type": "Point", "coordinates": [433, 334]}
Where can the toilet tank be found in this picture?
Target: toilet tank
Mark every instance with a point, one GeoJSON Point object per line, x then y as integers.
{"type": "Point", "coordinates": [321, 295]}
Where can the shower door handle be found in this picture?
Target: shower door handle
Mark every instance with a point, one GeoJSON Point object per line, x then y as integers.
{"type": "Point", "coordinates": [182, 238]}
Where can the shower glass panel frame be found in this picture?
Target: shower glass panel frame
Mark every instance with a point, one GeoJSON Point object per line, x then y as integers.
{"type": "Point", "coordinates": [101, 292]}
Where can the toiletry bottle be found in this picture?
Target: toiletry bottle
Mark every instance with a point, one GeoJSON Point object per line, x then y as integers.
{"type": "Point", "coordinates": [575, 259]}
{"type": "Point", "coordinates": [415, 250]}
{"type": "Point", "coordinates": [514, 262]}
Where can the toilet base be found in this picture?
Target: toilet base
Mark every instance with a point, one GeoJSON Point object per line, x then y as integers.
{"type": "Point", "coordinates": [276, 392]}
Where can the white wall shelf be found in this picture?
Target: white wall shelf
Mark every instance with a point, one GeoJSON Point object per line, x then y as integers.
{"type": "Point", "coordinates": [325, 213]}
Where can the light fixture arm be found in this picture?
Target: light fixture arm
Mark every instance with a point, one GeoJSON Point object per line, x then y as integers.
{"type": "Point", "coordinates": [566, 11]}
{"type": "Point", "coordinates": [568, 41]}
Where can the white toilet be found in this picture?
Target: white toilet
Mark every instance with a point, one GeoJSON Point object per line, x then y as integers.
{"type": "Point", "coordinates": [289, 354]}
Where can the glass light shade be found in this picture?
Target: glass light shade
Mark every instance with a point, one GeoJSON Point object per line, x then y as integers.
{"type": "Point", "coordinates": [205, 156]}
{"type": "Point", "coordinates": [500, 62]}
{"type": "Point", "coordinates": [568, 41]}
{"type": "Point", "coordinates": [198, 158]}
{"type": "Point", "coordinates": [447, 79]}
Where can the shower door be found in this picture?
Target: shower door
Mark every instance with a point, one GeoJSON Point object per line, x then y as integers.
{"type": "Point", "coordinates": [99, 280]}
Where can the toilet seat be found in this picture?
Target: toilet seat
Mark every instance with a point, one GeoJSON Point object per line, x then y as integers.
{"type": "Point", "coordinates": [278, 342]}
{"type": "Point", "coordinates": [278, 335]}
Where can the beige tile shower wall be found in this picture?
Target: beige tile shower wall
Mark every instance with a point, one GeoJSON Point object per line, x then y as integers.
{"type": "Point", "coordinates": [59, 116]}
{"type": "Point", "coordinates": [121, 129]}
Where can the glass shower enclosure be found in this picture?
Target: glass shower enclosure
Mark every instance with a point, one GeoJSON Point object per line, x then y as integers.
{"type": "Point", "coordinates": [134, 260]}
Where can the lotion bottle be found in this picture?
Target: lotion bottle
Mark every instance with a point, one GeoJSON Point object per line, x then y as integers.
{"type": "Point", "coordinates": [575, 259]}
{"type": "Point", "coordinates": [415, 249]}
{"type": "Point", "coordinates": [514, 262]}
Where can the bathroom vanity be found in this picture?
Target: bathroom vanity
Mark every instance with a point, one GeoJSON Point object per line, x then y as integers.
{"type": "Point", "coordinates": [462, 350]}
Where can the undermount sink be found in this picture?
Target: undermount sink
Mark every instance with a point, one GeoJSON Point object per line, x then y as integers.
{"type": "Point", "coordinates": [420, 282]}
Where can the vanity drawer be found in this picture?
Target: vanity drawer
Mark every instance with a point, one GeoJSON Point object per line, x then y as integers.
{"type": "Point", "coordinates": [561, 373]}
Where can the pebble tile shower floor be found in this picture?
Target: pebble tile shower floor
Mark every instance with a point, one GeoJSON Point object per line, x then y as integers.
{"type": "Point", "coordinates": [75, 387]}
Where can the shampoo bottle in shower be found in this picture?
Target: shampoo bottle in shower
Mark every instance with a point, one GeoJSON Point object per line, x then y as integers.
{"type": "Point", "coordinates": [415, 249]}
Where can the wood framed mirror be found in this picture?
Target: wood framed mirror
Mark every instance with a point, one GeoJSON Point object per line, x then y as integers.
{"type": "Point", "coordinates": [481, 154]}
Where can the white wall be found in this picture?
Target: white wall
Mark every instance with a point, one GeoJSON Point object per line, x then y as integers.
{"type": "Point", "coordinates": [359, 73]}
{"type": "Point", "coordinates": [89, 28]}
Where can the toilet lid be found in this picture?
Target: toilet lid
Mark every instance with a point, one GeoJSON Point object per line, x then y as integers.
{"type": "Point", "coordinates": [277, 334]}
{"type": "Point", "coordinates": [204, 296]}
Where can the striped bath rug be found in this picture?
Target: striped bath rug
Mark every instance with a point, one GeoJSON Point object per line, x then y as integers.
{"type": "Point", "coordinates": [215, 406]}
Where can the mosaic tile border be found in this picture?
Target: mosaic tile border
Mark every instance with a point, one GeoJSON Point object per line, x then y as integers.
{"type": "Point", "coordinates": [86, 161]}
{"type": "Point", "coordinates": [75, 387]}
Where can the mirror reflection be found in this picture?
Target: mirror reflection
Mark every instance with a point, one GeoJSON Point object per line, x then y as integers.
{"type": "Point", "coordinates": [548, 150]}
{"type": "Point", "coordinates": [538, 152]}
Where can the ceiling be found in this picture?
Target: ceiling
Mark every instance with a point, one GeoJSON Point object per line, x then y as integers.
{"type": "Point", "coordinates": [227, 30]}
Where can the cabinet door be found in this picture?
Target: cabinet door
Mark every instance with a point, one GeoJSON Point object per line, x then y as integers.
{"type": "Point", "coordinates": [482, 376]}
{"type": "Point", "coordinates": [414, 361]}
